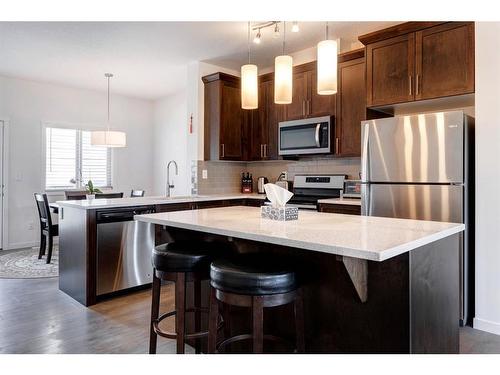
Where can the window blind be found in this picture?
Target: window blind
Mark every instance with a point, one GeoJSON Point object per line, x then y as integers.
{"type": "Point", "coordinates": [71, 160]}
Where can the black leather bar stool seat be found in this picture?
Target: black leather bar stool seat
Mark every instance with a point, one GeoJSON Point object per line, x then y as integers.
{"type": "Point", "coordinates": [257, 281]}
{"type": "Point", "coordinates": [181, 262]}
{"type": "Point", "coordinates": [252, 275]}
{"type": "Point", "coordinates": [184, 256]}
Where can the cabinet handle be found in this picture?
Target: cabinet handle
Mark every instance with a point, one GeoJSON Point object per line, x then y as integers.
{"type": "Point", "coordinates": [261, 152]}
{"type": "Point", "coordinates": [265, 150]}
{"type": "Point", "coordinates": [303, 107]}
{"type": "Point", "coordinates": [223, 150]}
{"type": "Point", "coordinates": [337, 145]}
{"type": "Point", "coordinates": [410, 84]}
{"type": "Point", "coordinates": [309, 107]}
{"type": "Point", "coordinates": [416, 84]}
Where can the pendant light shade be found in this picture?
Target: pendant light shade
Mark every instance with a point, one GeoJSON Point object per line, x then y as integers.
{"type": "Point", "coordinates": [327, 66]}
{"type": "Point", "coordinates": [249, 87]}
{"type": "Point", "coordinates": [108, 137]}
{"type": "Point", "coordinates": [283, 77]}
{"type": "Point", "coordinates": [249, 81]}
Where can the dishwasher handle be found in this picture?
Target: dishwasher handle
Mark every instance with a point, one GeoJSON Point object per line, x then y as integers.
{"type": "Point", "coordinates": [109, 216]}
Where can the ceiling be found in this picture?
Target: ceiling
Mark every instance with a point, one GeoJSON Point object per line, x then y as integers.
{"type": "Point", "coordinates": [148, 58]}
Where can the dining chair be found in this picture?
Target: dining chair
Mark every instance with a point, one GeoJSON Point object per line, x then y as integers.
{"type": "Point", "coordinates": [108, 195]}
{"type": "Point", "coordinates": [75, 195]}
{"type": "Point", "coordinates": [47, 230]}
{"type": "Point", "coordinates": [137, 193]}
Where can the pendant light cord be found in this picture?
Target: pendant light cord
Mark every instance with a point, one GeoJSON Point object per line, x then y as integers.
{"type": "Point", "coordinates": [284, 36]}
{"type": "Point", "coordinates": [326, 31]}
{"type": "Point", "coordinates": [248, 42]}
{"type": "Point", "coordinates": [108, 100]}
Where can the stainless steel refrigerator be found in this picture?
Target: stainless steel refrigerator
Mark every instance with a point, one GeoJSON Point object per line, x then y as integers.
{"type": "Point", "coordinates": [421, 167]}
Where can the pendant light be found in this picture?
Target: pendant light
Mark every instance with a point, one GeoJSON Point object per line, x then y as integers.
{"type": "Point", "coordinates": [249, 82]}
{"type": "Point", "coordinates": [283, 75]}
{"type": "Point", "coordinates": [108, 138]}
{"type": "Point", "coordinates": [327, 66]}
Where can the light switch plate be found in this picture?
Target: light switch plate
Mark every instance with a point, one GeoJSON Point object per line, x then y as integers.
{"type": "Point", "coordinates": [204, 174]}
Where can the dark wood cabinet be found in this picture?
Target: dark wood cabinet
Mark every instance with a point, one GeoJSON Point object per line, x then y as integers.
{"type": "Point", "coordinates": [306, 102]}
{"type": "Point", "coordinates": [225, 122]}
{"type": "Point", "coordinates": [389, 71]}
{"type": "Point", "coordinates": [351, 103]}
{"type": "Point", "coordinates": [345, 209]}
{"type": "Point", "coordinates": [419, 60]}
{"type": "Point", "coordinates": [444, 60]}
{"type": "Point", "coordinates": [265, 120]}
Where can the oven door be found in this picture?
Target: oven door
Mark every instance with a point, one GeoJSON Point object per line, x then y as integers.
{"type": "Point", "coordinates": [306, 136]}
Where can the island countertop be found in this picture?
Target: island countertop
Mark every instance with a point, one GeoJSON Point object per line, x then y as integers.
{"type": "Point", "coordinates": [151, 200]}
{"type": "Point", "coordinates": [363, 237]}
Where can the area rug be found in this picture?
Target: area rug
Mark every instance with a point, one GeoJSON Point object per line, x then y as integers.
{"type": "Point", "coordinates": [24, 264]}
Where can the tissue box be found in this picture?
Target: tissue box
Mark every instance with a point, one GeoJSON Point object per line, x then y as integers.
{"type": "Point", "coordinates": [286, 213]}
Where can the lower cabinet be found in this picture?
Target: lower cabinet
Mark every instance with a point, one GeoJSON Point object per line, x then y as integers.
{"type": "Point", "coordinates": [345, 209]}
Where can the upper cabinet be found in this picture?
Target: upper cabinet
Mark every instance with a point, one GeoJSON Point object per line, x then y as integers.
{"type": "Point", "coordinates": [351, 103]}
{"type": "Point", "coordinates": [444, 60]}
{"type": "Point", "coordinates": [305, 100]}
{"type": "Point", "coordinates": [419, 60]}
{"type": "Point", "coordinates": [225, 122]}
{"type": "Point", "coordinates": [265, 119]}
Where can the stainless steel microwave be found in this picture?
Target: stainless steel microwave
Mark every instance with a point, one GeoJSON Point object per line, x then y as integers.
{"type": "Point", "coordinates": [306, 136]}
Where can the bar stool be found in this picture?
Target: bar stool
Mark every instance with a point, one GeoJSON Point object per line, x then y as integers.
{"type": "Point", "coordinates": [255, 281]}
{"type": "Point", "coordinates": [180, 262]}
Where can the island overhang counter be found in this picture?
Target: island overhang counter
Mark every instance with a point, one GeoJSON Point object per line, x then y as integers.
{"type": "Point", "coordinates": [371, 284]}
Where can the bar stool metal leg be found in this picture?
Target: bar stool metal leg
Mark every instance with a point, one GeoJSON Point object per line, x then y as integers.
{"type": "Point", "coordinates": [197, 314]}
{"type": "Point", "coordinates": [155, 309]}
{"type": "Point", "coordinates": [212, 322]}
{"type": "Point", "coordinates": [180, 306]}
{"type": "Point", "coordinates": [258, 324]}
{"type": "Point", "coordinates": [299, 321]}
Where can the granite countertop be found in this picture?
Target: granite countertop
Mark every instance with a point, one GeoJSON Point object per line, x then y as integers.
{"type": "Point", "coordinates": [145, 201]}
{"type": "Point", "coordinates": [345, 201]}
{"type": "Point", "coordinates": [364, 237]}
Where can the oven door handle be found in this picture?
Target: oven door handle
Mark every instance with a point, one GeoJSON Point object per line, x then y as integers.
{"type": "Point", "coordinates": [316, 136]}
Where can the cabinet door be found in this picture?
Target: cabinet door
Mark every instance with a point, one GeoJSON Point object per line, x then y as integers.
{"type": "Point", "coordinates": [297, 109]}
{"type": "Point", "coordinates": [275, 114]}
{"type": "Point", "coordinates": [351, 107]}
{"type": "Point", "coordinates": [390, 70]}
{"type": "Point", "coordinates": [231, 125]}
{"type": "Point", "coordinates": [445, 60]}
{"type": "Point", "coordinates": [319, 105]}
{"type": "Point", "coordinates": [258, 131]}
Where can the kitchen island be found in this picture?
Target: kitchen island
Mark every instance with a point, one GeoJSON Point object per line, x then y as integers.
{"type": "Point", "coordinates": [371, 285]}
{"type": "Point", "coordinates": [102, 251]}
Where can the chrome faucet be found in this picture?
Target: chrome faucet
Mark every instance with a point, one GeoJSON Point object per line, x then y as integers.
{"type": "Point", "coordinates": [170, 185]}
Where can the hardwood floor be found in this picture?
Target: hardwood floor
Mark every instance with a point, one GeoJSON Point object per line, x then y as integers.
{"type": "Point", "coordinates": [35, 317]}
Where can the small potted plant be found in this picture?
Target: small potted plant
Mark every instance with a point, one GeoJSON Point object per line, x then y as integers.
{"type": "Point", "coordinates": [91, 190]}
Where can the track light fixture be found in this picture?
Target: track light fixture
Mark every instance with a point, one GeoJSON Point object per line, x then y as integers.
{"type": "Point", "coordinates": [276, 33]}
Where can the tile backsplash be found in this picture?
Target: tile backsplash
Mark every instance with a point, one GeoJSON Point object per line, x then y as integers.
{"type": "Point", "coordinates": [224, 177]}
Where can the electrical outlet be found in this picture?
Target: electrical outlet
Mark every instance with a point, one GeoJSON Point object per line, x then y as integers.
{"type": "Point", "coordinates": [204, 174]}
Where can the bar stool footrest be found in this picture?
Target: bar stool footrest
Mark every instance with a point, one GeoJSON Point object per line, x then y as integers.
{"type": "Point", "coordinates": [249, 336]}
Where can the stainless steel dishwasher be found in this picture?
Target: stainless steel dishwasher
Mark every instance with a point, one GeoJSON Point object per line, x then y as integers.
{"type": "Point", "coordinates": [123, 249]}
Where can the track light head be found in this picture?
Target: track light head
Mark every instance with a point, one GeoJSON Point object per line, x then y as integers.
{"type": "Point", "coordinates": [295, 27]}
{"type": "Point", "coordinates": [257, 38]}
{"type": "Point", "coordinates": [276, 31]}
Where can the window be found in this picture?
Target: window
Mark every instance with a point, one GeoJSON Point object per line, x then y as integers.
{"type": "Point", "coordinates": [70, 160]}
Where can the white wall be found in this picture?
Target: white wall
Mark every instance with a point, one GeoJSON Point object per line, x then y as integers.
{"type": "Point", "coordinates": [487, 316]}
{"type": "Point", "coordinates": [170, 143]}
{"type": "Point", "coordinates": [27, 104]}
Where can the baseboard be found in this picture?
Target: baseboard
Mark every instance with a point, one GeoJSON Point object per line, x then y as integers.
{"type": "Point", "coordinates": [22, 245]}
{"type": "Point", "coordinates": [486, 325]}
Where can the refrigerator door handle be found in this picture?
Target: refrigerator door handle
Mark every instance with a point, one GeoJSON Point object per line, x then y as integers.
{"type": "Point", "coordinates": [365, 199]}
{"type": "Point", "coordinates": [364, 152]}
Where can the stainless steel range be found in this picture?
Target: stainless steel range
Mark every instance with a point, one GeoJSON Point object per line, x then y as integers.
{"type": "Point", "coordinates": [307, 189]}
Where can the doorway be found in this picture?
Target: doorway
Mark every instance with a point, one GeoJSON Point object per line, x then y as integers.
{"type": "Point", "coordinates": [2, 182]}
